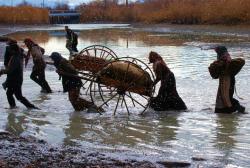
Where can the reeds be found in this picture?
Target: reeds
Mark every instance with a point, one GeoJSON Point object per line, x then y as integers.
{"type": "Point", "coordinates": [170, 11]}
{"type": "Point", "coordinates": [23, 15]}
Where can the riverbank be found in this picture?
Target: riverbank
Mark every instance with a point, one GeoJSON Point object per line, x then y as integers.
{"type": "Point", "coordinates": [29, 152]}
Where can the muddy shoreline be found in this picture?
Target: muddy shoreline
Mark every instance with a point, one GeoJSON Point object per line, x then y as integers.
{"type": "Point", "coordinates": [32, 153]}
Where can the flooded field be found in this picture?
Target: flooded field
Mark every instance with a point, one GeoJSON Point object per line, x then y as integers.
{"type": "Point", "coordinates": [222, 140]}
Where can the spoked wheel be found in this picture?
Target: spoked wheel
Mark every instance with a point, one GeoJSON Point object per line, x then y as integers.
{"type": "Point", "coordinates": [90, 61]}
{"type": "Point", "coordinates": [99, 51]}
{"type": "Point", "coordinates": [129, 82]}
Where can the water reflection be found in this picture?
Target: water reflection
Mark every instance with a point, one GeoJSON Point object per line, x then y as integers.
{"type": "Point", "coordinates": [15, 123]}
{"type": "Point", "coordinates": [226, 129]}
{"type": "Point", "coordinates": [124, 131]}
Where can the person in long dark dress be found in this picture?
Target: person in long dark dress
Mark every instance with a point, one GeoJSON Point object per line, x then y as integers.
{"type": "Point", "coordinates": [168, 97]}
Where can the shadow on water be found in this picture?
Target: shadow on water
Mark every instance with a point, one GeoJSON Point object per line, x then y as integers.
{"type": "Point", "coordinates": [15, 123]}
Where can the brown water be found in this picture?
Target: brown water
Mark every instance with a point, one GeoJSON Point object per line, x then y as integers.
{"type": "Point", "coordinates": [223, 140]}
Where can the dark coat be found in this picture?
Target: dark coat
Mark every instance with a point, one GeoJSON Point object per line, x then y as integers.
{"type": "Point", "coordinates": [13, 61]}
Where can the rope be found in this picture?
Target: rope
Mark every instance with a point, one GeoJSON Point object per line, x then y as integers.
{"type": "Point", "coordinates": [236, 93]}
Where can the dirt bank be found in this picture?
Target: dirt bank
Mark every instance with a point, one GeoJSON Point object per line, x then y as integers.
{"type": "Point", "coordinates": [31, 153]}
{"type": "Point", "coordinates": [28, 152]}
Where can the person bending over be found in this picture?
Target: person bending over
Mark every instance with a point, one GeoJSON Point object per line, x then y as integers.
{"type": "Point", "coordinates": [168, 97]}
{"type": "Point", "coordinates": [71, 83]}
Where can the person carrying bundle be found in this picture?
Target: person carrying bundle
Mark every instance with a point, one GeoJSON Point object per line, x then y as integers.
{"type": "Point", "coordinates": [225, 69]}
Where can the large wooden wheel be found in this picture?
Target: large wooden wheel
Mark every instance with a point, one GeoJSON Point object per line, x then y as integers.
{"type": "Point", "coordinates": [124, 91]}
{"type": "Point", "coordinates": [99, 51]}
{"type": "Point", "coordinates": [91, 60]}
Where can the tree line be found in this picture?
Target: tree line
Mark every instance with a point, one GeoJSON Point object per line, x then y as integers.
{"type": "Point", "coordinates": [147, 11]}
{"type": "Point", "coordinates": [169, 11]}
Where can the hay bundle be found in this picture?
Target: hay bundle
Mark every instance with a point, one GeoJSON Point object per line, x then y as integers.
{"type": "Point", "coordinates": [88, 63]}
{"type": "Point", "coordinates": [126, 75]}
{"type": "Point", "coordinates": [219, 67]}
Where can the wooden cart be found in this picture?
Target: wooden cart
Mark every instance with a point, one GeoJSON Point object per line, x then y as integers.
{"type": "Point", "coordinates": [120, 84]}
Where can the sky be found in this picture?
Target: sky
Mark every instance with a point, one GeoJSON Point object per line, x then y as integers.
{"type": "Point", "coordinates": [71, 3]}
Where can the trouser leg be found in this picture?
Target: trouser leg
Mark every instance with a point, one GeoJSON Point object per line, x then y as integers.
{"type": "Point", "coordinates": [43, 83]}
{"type": "Point", "coordinates": [10, 97]}
{"type": "Point", "coordinates": [74, 47]}
{"type": "Point", "coordinates": [69, 47]}
{"type": "Point", "coordinates": [39, 78]}
{"type": "Point", "coordinates": [34, 77]}
{"type": "Point", "coordinates": [77, 102]}
{"type": "Point", "coordinates": [23, 100]}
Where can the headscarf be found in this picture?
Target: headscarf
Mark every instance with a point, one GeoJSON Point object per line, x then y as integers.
{"type": "Point", "coordinates": [222, 53]}
{"type": "Point", "coordinates": [56, 57]}
{"type": "Point", "coordinates": [154, 56]}
{"type": "Point", "coordinates": [29, 43]}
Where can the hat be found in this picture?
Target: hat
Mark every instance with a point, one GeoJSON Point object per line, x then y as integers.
{"type": "Point", "coordinates": [28, 40]}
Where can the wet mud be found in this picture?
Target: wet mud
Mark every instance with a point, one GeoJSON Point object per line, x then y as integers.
{"type": "Point", "coordinates": [31, 153]}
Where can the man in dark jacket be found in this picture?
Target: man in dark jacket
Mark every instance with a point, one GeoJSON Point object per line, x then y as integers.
{"type": "Point", "coordinates": [72, 40]}
{"type": "Point", "coordinates": [71, 83]}
{"type": "Point", "coordinates": [13, 61]}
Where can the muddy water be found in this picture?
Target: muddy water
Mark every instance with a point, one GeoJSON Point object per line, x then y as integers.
{"type": "Point", "coordinates": [223, 140]}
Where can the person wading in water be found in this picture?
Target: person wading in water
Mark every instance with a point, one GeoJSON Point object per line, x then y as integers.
{"type": "Point", "coordinates": [71, 83]}
{"type": "Point", "coordinates": [38, 70]}
{"type": "Point", "coordinates": [72, 40]}
{"type": "Point", "coordinates": [13, 61]}
{"type": "Point", "coordinates": [225, 69]}
{"type": "Point", "coordinates": [168, 97]}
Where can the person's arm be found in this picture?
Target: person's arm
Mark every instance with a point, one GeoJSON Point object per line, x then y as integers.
{"type": "Point", "coordinates": [6, 57]}
{"type": "Point", "coordinates": [27, 57]}
{"type": "Point", "coordinates": [42, 50]}
{"type": "Point", "coordinates": [158, 72]}
{"type": "Point", "coordinates": [72, 36]}
{"type": "Point", "coordinates": [49, 63]}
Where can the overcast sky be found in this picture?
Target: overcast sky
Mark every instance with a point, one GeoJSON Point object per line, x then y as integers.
{"type": "Point", "coordinates": [72, 3]}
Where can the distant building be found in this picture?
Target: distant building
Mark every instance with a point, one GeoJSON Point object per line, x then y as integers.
{"type": "Point", "coordinates": [64, 17]}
